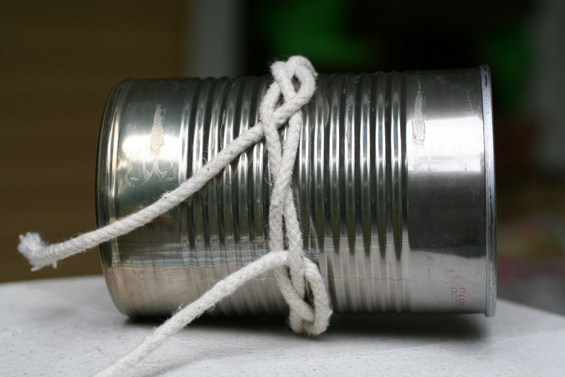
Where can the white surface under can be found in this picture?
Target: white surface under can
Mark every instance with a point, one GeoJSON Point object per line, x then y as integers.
{"type": "Point", "coordinates": [394, 184]}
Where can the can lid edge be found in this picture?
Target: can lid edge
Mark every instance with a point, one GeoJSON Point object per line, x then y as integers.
{"type": "Point", "coordinates": [490, 193]}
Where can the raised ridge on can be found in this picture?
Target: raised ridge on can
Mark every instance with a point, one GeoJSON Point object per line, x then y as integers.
{"type": "Point", "coordinates": [394, 184]}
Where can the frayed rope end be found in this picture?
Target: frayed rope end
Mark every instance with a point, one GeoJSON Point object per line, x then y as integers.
{"type": "Point", "coordinates": [30, 244]}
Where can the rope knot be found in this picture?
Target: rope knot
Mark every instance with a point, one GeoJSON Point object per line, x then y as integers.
{"type": "Point", "coordinates": [299, 273]}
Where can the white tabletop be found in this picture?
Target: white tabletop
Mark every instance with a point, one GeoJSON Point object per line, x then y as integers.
{"type": "Point", "coordinates": [69, 327]}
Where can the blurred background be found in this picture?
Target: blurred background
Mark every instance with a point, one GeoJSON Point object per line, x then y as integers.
{"type": "Point", "coordinates": [60, 59]}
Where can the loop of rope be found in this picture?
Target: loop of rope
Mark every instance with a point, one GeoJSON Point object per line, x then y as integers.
{"type": "Point", "coordinates": [282, 203]}
{"type": "Point", "coordinates": [294, 272]}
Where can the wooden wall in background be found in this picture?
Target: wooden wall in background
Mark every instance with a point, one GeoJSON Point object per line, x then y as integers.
{"type": "Point", "coordinates": [58, 62]}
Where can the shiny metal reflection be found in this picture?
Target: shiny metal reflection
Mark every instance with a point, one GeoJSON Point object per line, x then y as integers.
{"type": "Point", "coordinates": [394, 183]}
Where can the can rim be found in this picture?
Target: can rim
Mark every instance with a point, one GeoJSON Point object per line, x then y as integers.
{"type": "Point", "coordinates": [102, 199]}
{"type": "Point", "coordinates": [490, 193]}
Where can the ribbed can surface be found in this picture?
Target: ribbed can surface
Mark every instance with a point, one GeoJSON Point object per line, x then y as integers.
{"type": "Point", "coordinates": [394, 185]}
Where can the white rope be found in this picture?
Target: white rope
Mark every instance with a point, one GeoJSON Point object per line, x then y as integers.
{"type": "Point", "coordinates": [293, 271]}
{"type": "Point", "coordinates": [190, 312]}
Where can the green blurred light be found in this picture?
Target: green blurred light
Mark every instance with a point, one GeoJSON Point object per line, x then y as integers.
{"type": "Point", "coordinates": [316, 29]}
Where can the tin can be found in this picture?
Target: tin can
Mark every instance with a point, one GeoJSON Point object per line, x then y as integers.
{"type": "Point", "coordinates": [394, 185]}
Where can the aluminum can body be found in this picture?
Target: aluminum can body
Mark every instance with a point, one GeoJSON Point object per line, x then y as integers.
{"type": "Point", "coordinates": [394, 186]}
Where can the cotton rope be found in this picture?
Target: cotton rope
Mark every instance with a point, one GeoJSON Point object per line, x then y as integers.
{"type": "Point", "coordinates": [293, 271]}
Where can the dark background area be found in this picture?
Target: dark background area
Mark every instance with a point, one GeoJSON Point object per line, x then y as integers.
{"type": "Point", "coordinates": [60, 59]}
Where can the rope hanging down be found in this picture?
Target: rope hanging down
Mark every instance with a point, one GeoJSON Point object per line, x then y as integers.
{"type": "Point", "coordinates": [293, 271]}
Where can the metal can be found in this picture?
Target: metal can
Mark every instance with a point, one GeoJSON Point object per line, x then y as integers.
{"type": "Point", "coordinates": [394, 184]}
